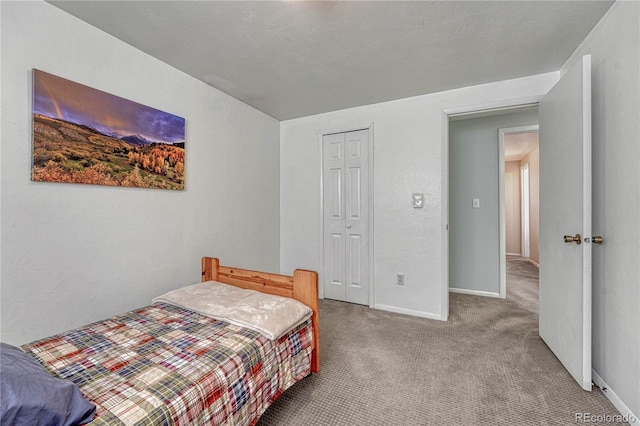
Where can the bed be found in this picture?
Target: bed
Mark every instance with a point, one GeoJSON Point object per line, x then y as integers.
{"type": "Point", "coordinates": [167, 364]}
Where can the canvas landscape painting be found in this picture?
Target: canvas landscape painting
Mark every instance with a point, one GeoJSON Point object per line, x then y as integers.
{"type": "Point", "coordinates": [84, 135]}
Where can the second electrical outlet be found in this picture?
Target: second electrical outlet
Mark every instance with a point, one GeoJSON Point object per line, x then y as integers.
{"type": "Point", "coordinates": [400, 278]}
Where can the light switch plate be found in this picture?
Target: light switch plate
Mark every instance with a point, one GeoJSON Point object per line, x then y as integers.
{"type": "Point", "coordinates": [418, 200]}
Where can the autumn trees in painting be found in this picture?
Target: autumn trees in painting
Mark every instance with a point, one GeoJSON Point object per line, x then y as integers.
{"type": "Point", "coordinates": [72, 141]}
{"type": "Point", "coordinates": [65, 152]}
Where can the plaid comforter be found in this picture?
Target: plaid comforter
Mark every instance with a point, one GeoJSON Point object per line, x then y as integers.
{"type": "Point", "coordinates": [166, 365]}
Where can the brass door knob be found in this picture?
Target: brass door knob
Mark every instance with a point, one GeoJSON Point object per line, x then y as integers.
{"type": "Point", "coordinates": [573, 239]}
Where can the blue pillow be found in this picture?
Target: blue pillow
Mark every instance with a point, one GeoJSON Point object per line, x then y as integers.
{"type": "Point", "coordinates": [32, 396]}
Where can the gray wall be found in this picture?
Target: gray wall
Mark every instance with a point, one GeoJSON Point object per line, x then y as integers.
{"type": "Point", "coordinates": [615, 48]}
{"type": "Point", "coordinates": [73, 254]}
{"type": "Point", "coordinates": [473, 173]}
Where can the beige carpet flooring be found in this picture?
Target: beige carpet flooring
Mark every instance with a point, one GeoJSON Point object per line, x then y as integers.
{"type": "Point", "coordinates": [485, 366]}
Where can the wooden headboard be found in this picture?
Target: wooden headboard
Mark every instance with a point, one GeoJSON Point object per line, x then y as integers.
{"type": "Point", "coordinates": [302, 286]}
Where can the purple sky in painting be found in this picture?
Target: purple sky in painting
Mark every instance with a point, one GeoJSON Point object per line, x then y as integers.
{"type": "Point", "coordinates": [60, 98]}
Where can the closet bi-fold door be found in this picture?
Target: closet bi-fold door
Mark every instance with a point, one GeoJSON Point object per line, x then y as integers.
{"type": "Point", "coordinates": [346, 216]}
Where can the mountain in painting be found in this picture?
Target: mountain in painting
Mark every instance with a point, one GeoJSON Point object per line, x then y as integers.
{"type": "Point", "coordinates": [136, 140]}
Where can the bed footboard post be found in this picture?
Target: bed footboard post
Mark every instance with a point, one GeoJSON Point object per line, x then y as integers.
{"type": "Point", "coordinates": [305, 289]}
{"type": "Point", "coordinates": [210, 267]}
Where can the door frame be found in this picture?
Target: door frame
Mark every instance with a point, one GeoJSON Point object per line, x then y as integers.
{"type": "Point", "coordinates": [525, 188]}
{"type": "Point", "coordinates": [502, 240]}
{"type": "Point", "coordinates": [506, 105]}
{"type": "Point", "coordinates": [370, 176]}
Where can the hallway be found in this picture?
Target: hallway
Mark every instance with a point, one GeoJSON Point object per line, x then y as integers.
{"type": "Point", "coordinates": [522, 283]}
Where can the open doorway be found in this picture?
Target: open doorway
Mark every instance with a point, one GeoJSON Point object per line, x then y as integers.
{"type": "Point", "coordinates": [477, 235]}
{"type": "Point", "coordinates": [520, 175]}
{"type": "Point", "coordinates": [565, 136]}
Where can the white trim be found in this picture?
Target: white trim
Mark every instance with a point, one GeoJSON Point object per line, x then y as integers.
{"type": "Point", "coordinates": [321, 222]}
{"type": "Point", "coordinates": [371, 166]}
{"type": "Point", "coordinates": [444, 167]}
{"type": "Point", "coordinates": [504, 104]}
{"type": "Point", "coordinates": [411, 312]}
{"type": "Point", "coordinates": [321, 135]}
{"type": "Point", "coordinates": [525, 209]}
{"type": "Point", "coordinates": [502, 239]}
{"type": "Point", "coordinates": [475, 292]}
{"type": "Point", "coordinates": [615, 399]}
{"type": "Point", "coordinates": [444, 214]}
{"type": "Point", "coordinates": [520, 129]}
{"type": "Point", "coordinates": [514, 254]}
{"type": "Point", "coordinates": [346, 129]}
{"type": "Point", "coordinates": [502, 220]}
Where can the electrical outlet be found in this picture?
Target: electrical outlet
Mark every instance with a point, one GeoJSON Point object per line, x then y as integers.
{"type": "Point", "coordinates": [400, 278]}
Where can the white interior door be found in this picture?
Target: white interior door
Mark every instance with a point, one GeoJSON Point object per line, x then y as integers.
{"type": "Point", "coordinates": [565, 200]}
{"type": "Point", "coordinates": [346, 216]}
{"type": "Point", "coordinates": [333, 210]}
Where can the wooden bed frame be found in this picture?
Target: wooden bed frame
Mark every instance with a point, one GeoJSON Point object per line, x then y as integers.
{"type": "Point", "coordinates": [302, 286]}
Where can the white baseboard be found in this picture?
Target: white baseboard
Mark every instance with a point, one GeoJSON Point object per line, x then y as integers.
{"type": "Point", "coordinates": [474, 292]}
{"type": "Point", "coordinates": [625, 411]}
{"type": "Point", "coordinates": [405, 311]}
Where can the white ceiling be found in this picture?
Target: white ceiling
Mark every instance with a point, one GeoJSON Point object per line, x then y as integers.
{"type": "Point", "coordinates": [519, 145]}
{"type": "Point", "coordinates": [296, 58]}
